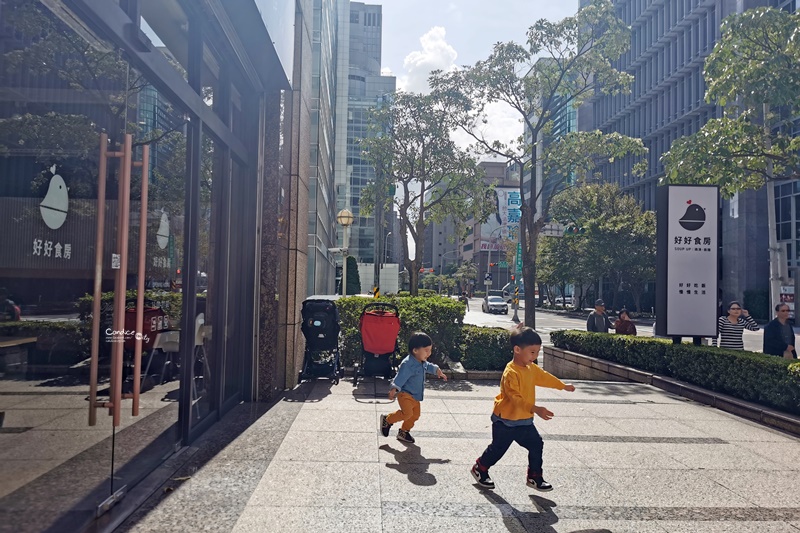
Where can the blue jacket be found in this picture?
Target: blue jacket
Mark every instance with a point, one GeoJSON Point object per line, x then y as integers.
{"type": "Point", "coordinates": [410, 376]}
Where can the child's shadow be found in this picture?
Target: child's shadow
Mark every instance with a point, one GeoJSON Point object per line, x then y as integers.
{"type": "Point", "coordinates": [540, 521]}
{"type": "Point", "coordinates": [411, 463]}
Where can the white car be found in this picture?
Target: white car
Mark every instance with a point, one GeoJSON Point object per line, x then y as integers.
{"type": "Point", "coordinates": [496, 304]}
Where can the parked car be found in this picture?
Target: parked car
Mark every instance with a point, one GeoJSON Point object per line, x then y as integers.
{"type": "Point", "coordinates": [495, 304]}
{"type": "Point", "coordinates": [566, 300]}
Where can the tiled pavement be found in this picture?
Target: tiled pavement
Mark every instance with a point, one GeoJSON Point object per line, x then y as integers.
{"type": "Point", "coordinates": [622, 457]}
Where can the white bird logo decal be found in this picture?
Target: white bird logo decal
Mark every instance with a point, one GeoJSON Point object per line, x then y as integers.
{"type": "Point", "coordinates": [162, 235]}
{"type": "Point", "coordinates": [55, 205]}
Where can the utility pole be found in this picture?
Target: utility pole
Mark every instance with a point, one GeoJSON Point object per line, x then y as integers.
{"type": "Point", "coordinates": [775, 252]}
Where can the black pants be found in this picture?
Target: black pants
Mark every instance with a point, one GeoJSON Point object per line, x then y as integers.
{"type": "Point", "coordinates": [503, 436]}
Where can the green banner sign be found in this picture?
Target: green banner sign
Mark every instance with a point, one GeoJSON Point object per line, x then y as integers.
{"type": "Point", "coordinates": [519, 257]}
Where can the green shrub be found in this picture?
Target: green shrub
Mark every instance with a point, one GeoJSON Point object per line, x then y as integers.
{"type": "Point", "coordinates": [57, 342]}
{"type": "Point", "coordinates": [170, 302]}
{"type": "Point", "coordinates": [639, 352]}
{"type": "Point", "coordinates": [486, 348]}
{"type": "Point", "coordinates": [754, 377]}
{"type": "Point", "coordinates": [427, 292]}
{"type": "Point", "coordinates": [441, 318]}
{"type": "Point", "coordinates": [764, 379]}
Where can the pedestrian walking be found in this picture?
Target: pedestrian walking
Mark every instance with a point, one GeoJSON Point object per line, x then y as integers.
{"type": "Point", "coordinates": [464, 298]}
{"type": "Point", "coordinates": [732, 325]}
{"type": "Point", "coordinates": [514, 407]}
{"type": "Point", "coordinates": [598, 320]}
{"type": "Point", "coordinates": [624, 325]}
{"type": "Point", "coordinates": [408, 386]}
{"type": "Point", "coordinates": [779, 334]}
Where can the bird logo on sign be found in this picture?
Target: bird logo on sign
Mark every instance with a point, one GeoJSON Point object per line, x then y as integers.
{"type": "Point", "coordinates": [694, 218]}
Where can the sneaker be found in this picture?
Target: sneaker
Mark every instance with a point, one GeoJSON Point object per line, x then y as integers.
{"type": "Point", "coordinates": [481, 478]}
{"type": "Point", "coordinates": [385, 426]}
{"type": "Point", "coordinates": [538, 483]}
{"type": "Point", "coordinates": [405, 436]}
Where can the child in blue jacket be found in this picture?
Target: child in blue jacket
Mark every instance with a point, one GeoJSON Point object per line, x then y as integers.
{"type": "Point", "coordinates": [409, 385]}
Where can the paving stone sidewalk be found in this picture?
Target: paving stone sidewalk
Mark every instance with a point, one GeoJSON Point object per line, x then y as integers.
{"type": "Point", "coordinates": [622, 458]}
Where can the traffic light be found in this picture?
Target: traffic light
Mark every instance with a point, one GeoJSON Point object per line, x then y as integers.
{"type": "Point", "coordinates": [431, 270]}
{"type": "Point", "coordinates": [574, 229]}
{"type": "Point", "coordinates": [492, 264]}
{"type": "Point", "coordinates": [421, 270]}
{"type": "Point", "coordinates": [512, 277]}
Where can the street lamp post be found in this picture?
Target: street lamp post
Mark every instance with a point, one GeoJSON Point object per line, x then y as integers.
{"type": "Point", "coordinates": [385, 245]}
{"type": "Point", "coordinates": [345, 218]}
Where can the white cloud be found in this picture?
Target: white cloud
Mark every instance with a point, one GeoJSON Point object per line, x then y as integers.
{"type": "Point", "coordinates": [503, 124]}
{"type": "Point", "coordinates": [436, 54]}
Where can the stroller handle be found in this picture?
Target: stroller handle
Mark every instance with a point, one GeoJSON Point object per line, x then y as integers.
{"type": "Point", "coordinates": [383, 306]}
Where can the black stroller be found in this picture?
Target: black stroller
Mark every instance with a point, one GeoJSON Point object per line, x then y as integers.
{"type": "Point", "coordinates": [379, 326]}
{"type": "Point", "coordinates": [321, 330]}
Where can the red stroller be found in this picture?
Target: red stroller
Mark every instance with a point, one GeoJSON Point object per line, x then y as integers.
{"type": "Point", "coordinates": [379, 326]}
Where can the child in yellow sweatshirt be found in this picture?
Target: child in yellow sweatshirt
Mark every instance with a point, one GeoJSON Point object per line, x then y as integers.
{"type": "Point", "coordinates": [514, 407]}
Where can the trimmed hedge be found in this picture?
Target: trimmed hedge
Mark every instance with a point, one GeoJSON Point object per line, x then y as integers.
{"type": "Point", "coordinates": [170, 302]}
{"type": "Point", "coordinates": [753, 377]}
{"type": "Point", "coordinates": [57, 342]}
{"type": "Point", "coordinates": [441, 318]}
{"type": "Point", "coordinates": [486, 348]}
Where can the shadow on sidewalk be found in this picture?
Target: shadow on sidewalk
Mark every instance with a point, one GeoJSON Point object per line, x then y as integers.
{"type": "Point", "coordinates": [540, 520]}
{"type": "Point", "coordinates": [411, 463]}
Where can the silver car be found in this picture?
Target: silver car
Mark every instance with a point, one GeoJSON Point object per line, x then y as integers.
{"type": "Point", "coordinates": [496, 304]}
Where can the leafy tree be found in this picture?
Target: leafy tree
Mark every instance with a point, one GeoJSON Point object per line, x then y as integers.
{"type": "Point", "coordinates": [563, 64]}
{"type": "Point", "coordinates": [435, 179]}
{"type": "Point", "coordinates": [619, 241]}
{"type": "Point", "coordinates": [466, 272]}
{"type": "Point", "coordinates": [752, 72]}
{"type": "Point", "coordinates": [353, 277]}
{"type": "Point", "coordinates": [430, 281]}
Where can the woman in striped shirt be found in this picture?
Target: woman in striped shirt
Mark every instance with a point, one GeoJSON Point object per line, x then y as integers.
{"type": "Point", "coordinates": [732, 326]}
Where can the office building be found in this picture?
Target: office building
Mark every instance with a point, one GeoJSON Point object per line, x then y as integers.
{"type": "Point", "coordinates": [360, 87]}
{"type": "Point", "coordinates": [669, 43]}
{"type": "Point", "coordinates": [321, 187]}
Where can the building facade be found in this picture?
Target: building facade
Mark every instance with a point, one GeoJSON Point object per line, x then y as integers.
{"type": "Point", "coordinates": [160, 148]}
{"type": "Point", "coordinates": [322, 189]}
{"type": "Point", "coordinates": [669, 43]}
{"type": "Point", "coordinates": [360, 87]}
{"type": "Point", "coordinates": [485, 243]}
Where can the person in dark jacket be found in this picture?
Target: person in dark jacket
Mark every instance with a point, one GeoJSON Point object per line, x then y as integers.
{"type": "Point", "coordinates": [779, 334]}
{"type": "Point", "coordinates": [624, 325]}
{"type": "Point", "coordinates": [598, 320]}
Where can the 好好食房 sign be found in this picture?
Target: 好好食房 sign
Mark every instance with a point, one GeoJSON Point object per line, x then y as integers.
{"type": "Point", "coordinates": [687, 260]}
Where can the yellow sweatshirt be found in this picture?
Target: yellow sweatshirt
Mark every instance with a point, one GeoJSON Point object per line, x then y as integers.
{"type": "Point", "coordinates": [518, 390]}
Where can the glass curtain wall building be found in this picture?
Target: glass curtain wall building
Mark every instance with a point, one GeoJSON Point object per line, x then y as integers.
{"type": "Point", "coordinates": [360, 88]}
{"type": "Point", "coordinates": [322, 190]}
{"type": "Point", "coordinates": [669, 43]}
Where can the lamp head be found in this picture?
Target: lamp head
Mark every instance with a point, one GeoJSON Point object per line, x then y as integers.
{"type": "Point", "coordinates": [345, 217]}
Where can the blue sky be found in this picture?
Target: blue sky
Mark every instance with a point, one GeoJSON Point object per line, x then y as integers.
{"type": "Point", "coordinates": [421, 36]}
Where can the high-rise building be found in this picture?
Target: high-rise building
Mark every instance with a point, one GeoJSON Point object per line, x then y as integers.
{"type": "Point", "coordinates": [360, 87]}
{"type": "Point", "coordinates": [669, 43]}
{"type": "Point", "coordinates": [484, 242]}
{"type": "Point", "coordinates": [321, 186]}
